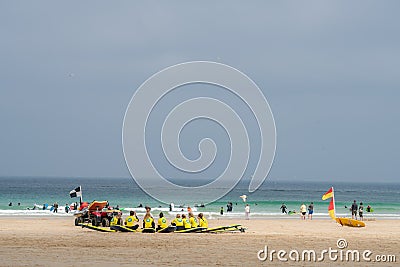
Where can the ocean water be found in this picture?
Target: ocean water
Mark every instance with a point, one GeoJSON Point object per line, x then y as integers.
{"type": "Point", "coordinates": [265, 202]}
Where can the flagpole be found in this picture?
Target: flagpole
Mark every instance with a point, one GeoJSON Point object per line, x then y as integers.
{"type": "Point", "coordinates": [80, 195]}
{"type": "Point", "coordinates": [334, 207]}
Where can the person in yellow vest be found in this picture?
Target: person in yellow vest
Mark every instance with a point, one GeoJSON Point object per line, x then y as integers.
{"type": "Point", "coordinates": [193, 220]}
{"type": "Point", "coordinates": [202, 221]}
{"type": "Point", "coordinates": [116, 220]}
{"type": "Point", "coordinates": [162, 222]}
{"type": "Point", "coordinates": [148, 222]}
{"type": "Point", "coordinates": [132, 220]}
{"type": "Point", "coordinates": [186, 222]}
{"type": "Point", "coordinates": [178, 222]}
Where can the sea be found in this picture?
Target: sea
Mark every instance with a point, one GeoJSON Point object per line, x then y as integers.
{"type": "Point", "coordinates": [18, 196]}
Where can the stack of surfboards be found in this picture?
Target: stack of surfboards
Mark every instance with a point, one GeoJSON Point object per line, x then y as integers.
{"type": "Point", "coordinates": [169, 229]}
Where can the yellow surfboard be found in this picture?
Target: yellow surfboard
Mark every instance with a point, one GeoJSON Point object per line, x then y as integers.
{"type": "Point", "coordinates": [350, 222]}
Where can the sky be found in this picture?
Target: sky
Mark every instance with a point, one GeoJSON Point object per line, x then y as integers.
{"type": "Point", "coordinates": [329, 70]}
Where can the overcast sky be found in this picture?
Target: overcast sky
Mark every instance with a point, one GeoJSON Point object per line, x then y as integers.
{"type": "Point", "coordinates": [329, 69]}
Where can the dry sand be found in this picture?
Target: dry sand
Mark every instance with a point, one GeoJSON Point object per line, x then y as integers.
{"type": "Point", "coordinates": [54, 241]}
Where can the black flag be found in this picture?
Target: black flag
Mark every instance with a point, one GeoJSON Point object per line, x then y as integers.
{"type": "Point", "coordinates": [77, 192]}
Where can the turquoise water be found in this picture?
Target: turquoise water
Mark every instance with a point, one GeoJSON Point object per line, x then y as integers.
{"type": "Point", "coordinates": [265, 202]}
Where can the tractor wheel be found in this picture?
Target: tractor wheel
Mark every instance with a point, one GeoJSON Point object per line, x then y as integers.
{"type": "Point", "coordinates": [77, 221]}
{"type": "Point", "coordinates": [105, 222]}
{"type": "Point", "coordinates": [94, 222]}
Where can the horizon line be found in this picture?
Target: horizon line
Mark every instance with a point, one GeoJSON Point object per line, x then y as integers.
{"type": "Point", "coordinates": [243, 179]}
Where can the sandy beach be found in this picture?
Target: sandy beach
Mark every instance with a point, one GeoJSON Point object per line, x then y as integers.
{"type": "Point", "coordinates": [53, 241]}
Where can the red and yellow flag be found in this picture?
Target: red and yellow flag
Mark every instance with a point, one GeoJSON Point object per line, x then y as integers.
{"type": "Point", "coordinates": [331, 209]}
{"type": "Point", "coordinates": [328, 194]}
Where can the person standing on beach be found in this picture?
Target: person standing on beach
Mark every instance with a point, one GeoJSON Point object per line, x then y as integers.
{"type": "Point", "coordinates": [354, 209]}
{"type": "Point", "coordinates": [310, 210]}
{"type": "Point", "coordinates": [247, 212]}
{"type": "Point", "coordinates": [303, 211]}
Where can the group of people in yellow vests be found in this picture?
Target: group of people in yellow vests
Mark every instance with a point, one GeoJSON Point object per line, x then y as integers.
{"type": "Point", "coordinates": [181, 222]}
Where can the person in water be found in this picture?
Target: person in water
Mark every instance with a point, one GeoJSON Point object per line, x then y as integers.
{"type": "Point", "coordinates": [148, 209]}
{"type": "Point", "coordinates": [303, 211]}
{"type": "Point", "coordinates": [229, 207]}
{"type": "Point", "coordinates": [222, 211]}
{"type": "Point", "coordinates": [132, 221]}
{"type": "Point", "coordinates": [193, 221]}
{"type": "Point", "coordinates": [283, 208]}
{"type": "Point", "coordinates": [186, 222]}
{"type": "Point", "coordinates": [310, 210]}
{"type": "Point", "coordinates": [178, 222]}
{"type": "Point", "coordinates": [66, 208]}
{"type": "Point", "coordinates": [368, 209]}
{"type": "Point", "coordinates": [247, 212]}
{"type": "Point", "coordinates": [354, 209]}
{"type": "Point", "coordinates": [361, 211]}
{"type": "Point", "coordinates": [162, 222]}
{"type": "Point", "coordinates": [202, 221]}
{"type": "Point", "coordinates": [55, 207]}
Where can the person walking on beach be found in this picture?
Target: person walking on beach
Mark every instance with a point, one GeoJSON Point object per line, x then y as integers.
{"type": "Point", "coordinates": [361, 211]}
{"type": "Point", "coordinates": [354, 209]}
{"type": "Point", "coordinates": [310, 210]}
{"type": "Point", "coordinates": [247, 212]}
{"type": "Point", "coordinates": [303, 211]}
{"type": "Point", "coordinates": [283, 208]}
